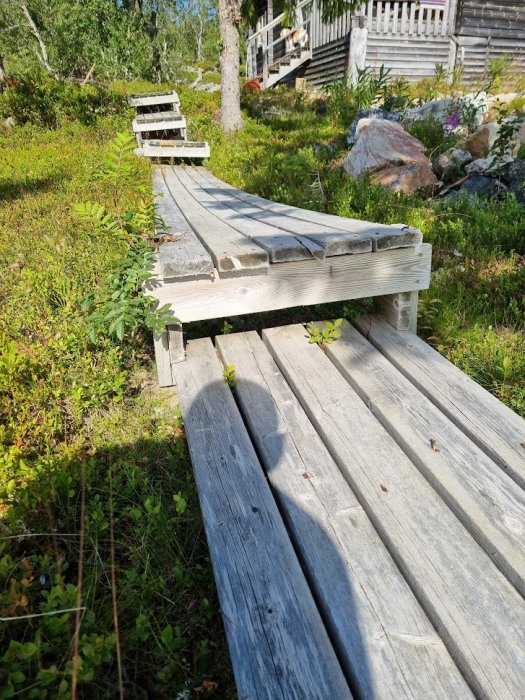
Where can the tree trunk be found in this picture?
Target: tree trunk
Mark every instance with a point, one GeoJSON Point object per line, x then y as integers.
{"type": "Point", "coordinates": [2, 74]}
{"type": "Point", "coordinates": [229, 19]}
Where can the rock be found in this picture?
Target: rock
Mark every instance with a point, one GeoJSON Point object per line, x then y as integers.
{"type": "Point", "coordinates": [482, 140]}
{"type": "Point", "coordinates": [487, 165]}
{"type": "Point", "coordinates": [410, 178]}
{"type": "Point", "coordinates": [382, 144]}
{"type": "Point", "coordinates": [324, 149]}
{"type": "Point", "coordinates": [452, 158]}
{"type": "Point", "coordinates": [208, 87]}
{"type": "Point", "coordinates": [517, 188]}
{"type": "Point", "coordinates": [502, 99]}
{"type": "Point", "coordinates": [370, 114]}
{"type": "Point", "coordinates": [9, 123]}
{"type": "Point", "coordinates": [480, 186]}
{"type": "Point", "coordinates": [438, 109]}
{"type": "Point", "coordinates": [512, 171]}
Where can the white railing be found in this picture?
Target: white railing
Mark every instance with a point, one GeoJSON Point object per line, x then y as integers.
{"type": "Point", "coordinates": [408, 17]}
{"type": "Point", "coordinates": [266, 51]}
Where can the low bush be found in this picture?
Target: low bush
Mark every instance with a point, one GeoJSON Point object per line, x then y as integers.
{"type": "Point", "coordinates": [47, 102]}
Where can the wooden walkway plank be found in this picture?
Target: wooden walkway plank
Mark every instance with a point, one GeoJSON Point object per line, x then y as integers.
{"type": "Point", "coordinates": [386, 643]}
{"type": "Point", "coordinates": [382, 236]}
{"type": "Point", "coordinates": [280, 245]}
{"type": "Point", "coordinates": [298, 283]}
{"type": "Point", "coordinates": [161, 121]}
{"type": "Point", "coordinates": [490, 424]}
{"type": "Point", "coordinates": [278, 644]}
{"type": "Point", "coordinates": [154, 98]}
{"type": "Point", "coordinates": [193, 150]}
{"type": "Point", "coordinates": [231, 251]}
{"type": "Point", "coordinates": [477, 612]}
{"type": "Point", "coordinates": [185, 258]}
{"type": "Point", "coordinates": [333, 241]}
{"type": "Point", "coordinates": [488, 502]}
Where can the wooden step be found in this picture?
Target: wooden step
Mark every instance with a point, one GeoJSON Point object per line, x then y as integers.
{"type": "Point", "coordinates": [159, 121]}
{"type": "Point", "coordinates": [154, 98]}
{"type": "Point", "coordinates": [174, 149]}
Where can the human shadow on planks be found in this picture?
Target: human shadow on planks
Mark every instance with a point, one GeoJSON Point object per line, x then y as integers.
{"type": "Point", "coordinates": [313, 553]}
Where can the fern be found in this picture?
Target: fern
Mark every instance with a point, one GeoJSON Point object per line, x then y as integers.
{"type": "Point", "coordinates": [120, 306]}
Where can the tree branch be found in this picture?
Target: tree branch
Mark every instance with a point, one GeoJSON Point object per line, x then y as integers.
{"type": "Point", "coordinates": [34, 31]}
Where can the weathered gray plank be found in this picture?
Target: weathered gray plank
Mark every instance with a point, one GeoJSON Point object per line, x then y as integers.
{"type": "Point", "coordinates": [154, 98]}
{"type": "Point", "coordinates": [332, 240]}
{"type": "Point", "coordinates": [279, 244]}
{"type": "Point", "coordinates": [175, 149]}
{"type": "Point", "coordinates": [382, 236]}
{"type": "Point", "coordinates": [400, 310]}
{"type": "Point", "coordinates": [185, 257]}
{"type": "Point", "coordinates": [162, 359]}
{"type": "Point", "coordinates": [230, 250]}
{"type": "Point", "coordinates": [477, 612]}
{"type": "Point", "coordinates": [490, 424]}
{"type": "Point", "coordinates": [278, 644]}
{"type": "Point", "coordinates": [161, 121]}
{"type": "Point", "coordinates": [487, 501]}
{"type": "Point", "coordinates": [298, 283]}
{"type": "Point", "coordinates": [385, 642]}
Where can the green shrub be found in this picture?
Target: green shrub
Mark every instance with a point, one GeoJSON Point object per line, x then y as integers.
{"type": "Point", "coordinates": [47, 102]}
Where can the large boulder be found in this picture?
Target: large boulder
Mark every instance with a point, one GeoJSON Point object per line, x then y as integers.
{"type": "Point", "coordinates": [381, 144]}
{"type": "Point", "coordinates": [370, 114]}
{"type": "Point", "coordinates": [410, 178]}
{"type": "Point", "coordinates": [490, 164]}
{"type": "Point", "coordinates": [481, 141]}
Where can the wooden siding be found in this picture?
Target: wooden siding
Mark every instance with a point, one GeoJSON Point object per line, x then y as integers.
{"type": "Point", "coordinates": [476, 53]}
{"type": "Point", "coordinates": [504, 19]}
{"type": "Point", "coordinates": [329, 62]}
{"type": "Point", "coordinates": [411, 57]}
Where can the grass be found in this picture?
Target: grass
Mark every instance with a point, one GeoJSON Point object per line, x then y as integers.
{"type": "Point", "coordinates": [82, 427]}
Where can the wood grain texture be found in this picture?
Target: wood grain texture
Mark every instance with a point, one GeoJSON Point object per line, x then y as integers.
{"type": "Point", "coordinates": [162, 359]}
{"type": "Point", "coordinates": [297, 283]}
{"type": "Point", "coordinates": [400, 310]}
{"type": "Point", "coordinates": [477, 612]}
{"type": "Point", "coordinates": [184, 257]}
{"type": "Point", "coordinates": [332, 240]}
{"type": "Point", "coordinates": [193, 150]}
{"type": "Point", "coordinates": [154, 98]}
{"type": "Point", "coordinates": [385, 642]}
{"type": "Point", "coordinates": [490, 424]}
{"type": "Point", "coordinates": [280, 245]}
{"type": "Point", "coordinates": [278, 644]}
{"type": "Point", "coordinates": [357, 232]}
{"type": "Point", "coordinates": [489, 503]}
{"type": "Point", "coordinates": [158, 123]}
{"type": "Point", "coordinates": [230, 250]}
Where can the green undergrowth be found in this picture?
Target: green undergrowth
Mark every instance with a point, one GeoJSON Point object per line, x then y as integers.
{"type": "Point", "coordinates": [94, 472]}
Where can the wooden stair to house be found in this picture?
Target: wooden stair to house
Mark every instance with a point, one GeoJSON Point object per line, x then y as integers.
{"type": "Point", "coordinates": [272, 60]}
{"type": "Point", "coordinates": [161, 130]}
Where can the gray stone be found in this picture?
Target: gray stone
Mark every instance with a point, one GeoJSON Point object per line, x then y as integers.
{"type": "Point", "coordinates": [382, 144]}
{"type": "Point", "coordinates": [517, 187]}
{"type": "Point", "coordinates": [409, 178]}
{"type": "Point", "coordinates": [480, 186]}
{"type": "Point", "coordinates": [370, 114]}
{"type": "Point", "coordinates": [482, 140]}
{"type": "Point", "coordinates": [437, 109]}
{"type": "Point", "coordinates": [450, 159]}
{"type": "Point", "coordinates": [487, 165]}
{"type": "Point", "coordinates": [512, 171]}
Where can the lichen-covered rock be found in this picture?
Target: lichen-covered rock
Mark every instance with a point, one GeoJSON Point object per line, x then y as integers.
{"type": "Point", "coordinates": [487, 165]}
{"type": "Point", "coordinates": [480, 186]}
{"type": "Point", "coordinates": [410, 178]}
{"type": "Point", "coordinates": [453, 158]}
{"type": "Point", "coordinates": [381, 144]}
{"type": "Point", "coordinates": [511, 171]}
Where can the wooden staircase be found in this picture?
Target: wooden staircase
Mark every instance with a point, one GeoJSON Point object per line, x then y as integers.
{"type": "Point", "coordinates": [276, 50]}
{"type": "Point", "coordinates": [160, 128]}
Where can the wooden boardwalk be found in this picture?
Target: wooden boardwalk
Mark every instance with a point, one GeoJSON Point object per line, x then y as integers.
{"type": "Point", "coordinates": [364, 502]}
{"type": "Point", "coordinates": [365, 528]}
{"type": "Point", "coordinates": [230, 252]}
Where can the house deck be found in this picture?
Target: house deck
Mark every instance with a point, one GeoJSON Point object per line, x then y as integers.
{"type": "Point", "coordinates": [365, 513]}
